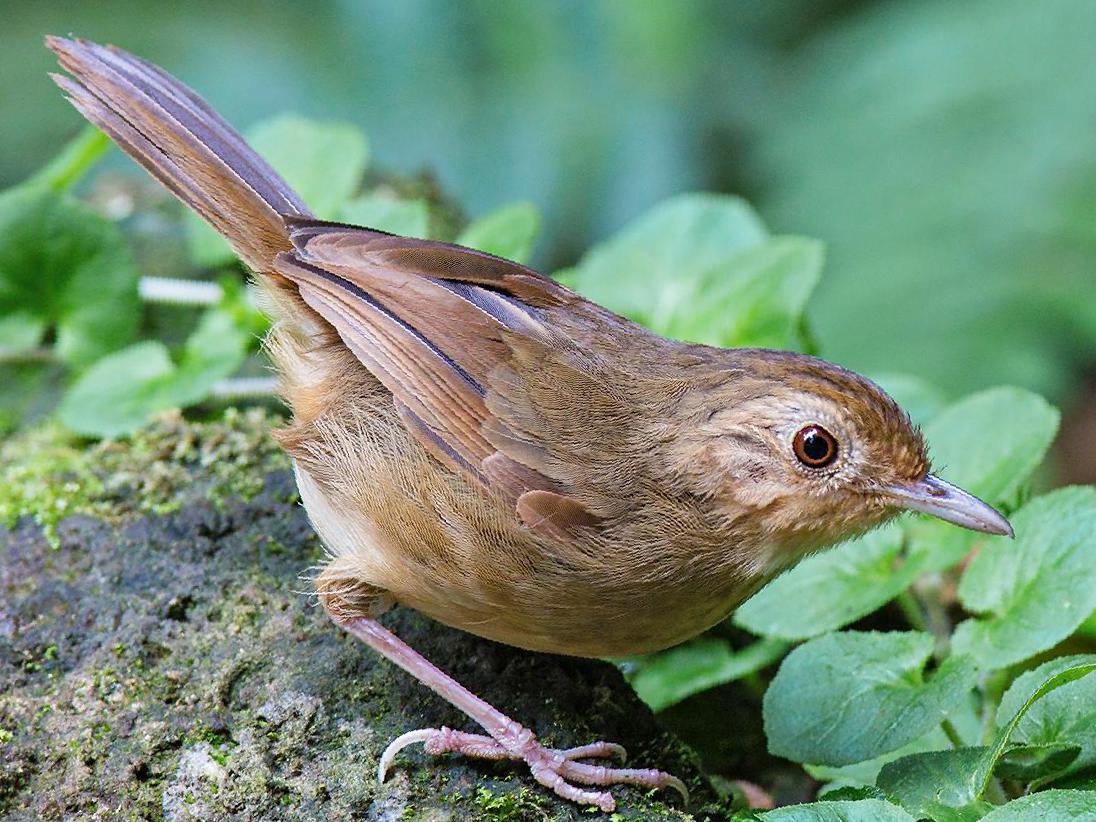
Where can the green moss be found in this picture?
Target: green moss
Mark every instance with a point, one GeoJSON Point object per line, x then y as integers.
{"type": "Point", "coordinates": [512, 806]}
{"type": "Point", "coordinates": [50, 474]}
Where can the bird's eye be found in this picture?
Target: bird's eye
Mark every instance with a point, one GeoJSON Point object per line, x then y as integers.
{"type": "Point", "coordinates": [814, 446]}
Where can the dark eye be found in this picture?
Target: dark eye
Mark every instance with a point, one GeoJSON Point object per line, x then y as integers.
{"type": "Point", "coordinates": [815, 447]}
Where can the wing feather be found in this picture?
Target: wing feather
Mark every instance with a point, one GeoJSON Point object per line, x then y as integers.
{"type": "Point", "coordinates": [461, 339]}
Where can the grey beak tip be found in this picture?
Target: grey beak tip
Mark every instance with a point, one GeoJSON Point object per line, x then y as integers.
{"type": "Point", "coordinates": [936, 497]}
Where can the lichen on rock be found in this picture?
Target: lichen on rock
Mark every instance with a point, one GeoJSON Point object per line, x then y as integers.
{"type": "Point", "coordinates": [159, 661]}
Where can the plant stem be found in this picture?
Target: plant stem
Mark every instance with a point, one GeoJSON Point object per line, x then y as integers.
{"type": "Point", "coordinates": [992, 687]}
{"type": "Point", "coordinates": [995, 792]}
{"type": "Point", "coordinates": [245, 387]}
{"type": "Point", "coordinates": [43, 354]}
{"type": "Point", "coordinates": [179, 292]}
{"type": "Point", "coordinates": [78, 155]}
{"type": "Point", "coordinates": [952, 733]}
{"type": "Point", "coordinates": [911, 609]}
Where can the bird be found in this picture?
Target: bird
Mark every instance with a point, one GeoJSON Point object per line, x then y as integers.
{"type": "Point", "coordinates": [476, 441]}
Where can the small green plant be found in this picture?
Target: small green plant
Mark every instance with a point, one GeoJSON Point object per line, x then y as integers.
{"type": "Point", "coordinates": [71, 293]}
{"type": "Point", "coordinates": [982, 706]}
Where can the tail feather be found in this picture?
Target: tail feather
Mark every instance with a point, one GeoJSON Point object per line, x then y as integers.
{"type": "Point", "coordinates": [182, 142]}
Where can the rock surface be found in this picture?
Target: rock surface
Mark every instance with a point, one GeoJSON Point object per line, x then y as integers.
{"type": "Point", "coordinates": [158, 661]}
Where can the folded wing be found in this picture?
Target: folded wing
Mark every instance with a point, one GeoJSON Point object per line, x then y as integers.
{"type": "Point", "coordinates": [466, 343]}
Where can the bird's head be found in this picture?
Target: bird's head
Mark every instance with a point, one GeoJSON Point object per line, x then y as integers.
{"type": "Point", "coordinates": [802, 453]}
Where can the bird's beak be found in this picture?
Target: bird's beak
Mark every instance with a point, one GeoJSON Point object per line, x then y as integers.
{"type": "Point", "coordinates": [937, 498]}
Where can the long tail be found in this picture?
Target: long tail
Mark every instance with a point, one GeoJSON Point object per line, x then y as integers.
{"type": "Point", "coordinates": [186, 145]}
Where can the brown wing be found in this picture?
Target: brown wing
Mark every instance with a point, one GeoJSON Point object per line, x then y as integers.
{"type": "Point", "coordinates": [466, 344]}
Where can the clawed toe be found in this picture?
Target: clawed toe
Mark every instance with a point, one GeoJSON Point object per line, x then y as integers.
{"type": "Point", "coordinates": [645, 777]}
{"type": "Point", "coordinates": [555, 769]}
{"type": "Point", "coordinates": [596, 750]}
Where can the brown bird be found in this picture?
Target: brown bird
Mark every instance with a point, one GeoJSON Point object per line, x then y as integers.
{"type": "Point", "coordinates": [473, 440]}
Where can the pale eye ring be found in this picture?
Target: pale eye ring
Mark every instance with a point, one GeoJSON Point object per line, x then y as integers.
{"type": "Point", "coordinates": [814, 446]}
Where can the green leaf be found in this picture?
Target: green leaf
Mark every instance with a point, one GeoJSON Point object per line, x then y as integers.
{"type": "Point", "coordinates": [31, 390]}
{"type": "Point", "coordinates": [665, 679]}
{"type": "Point", "coordinates": [322, 162]}
{"type": "Point", "coordinates": [863, 810]}
{"type": "Point", "coordinates": [1028, 763]}
{"type": "Point", "coordinates": [755, 299]}
{"type": "Point", "coordinates": [122, 391]}
{"type": "Point", "coordinates": [20, 331]}
{"type": "Point", "coordinates": [507, 232]}
{"type": "Point", "coordinates": [924, 782]}
{"type": "Point", "coordinates": [63, 266]}
{"type": "Point", "coordinates": [851, 696]}
{"type": "Point", "coordinates": [1084, 780]}
{"type": "Point", "coordinates": [1066, 717]}
{"type": "Point", "coordinates": [702, 268]}
{"type": "Point", "coordinates": [988, 444]}
{"type": "Point", "coordinates": [918, 397]}
{"type": "Point", "coordinates": [850, 792]}
{"type": "Point", "coordinates": [864, 773]}
{"type": "Point", "coordinates": [1048, 806]}
{"type": "Point", "coordinates": [831, 589]}
{"type": "Point", "coordinates": [1033, 593]}
{"type": "Point", "coordinates": [411, 218]}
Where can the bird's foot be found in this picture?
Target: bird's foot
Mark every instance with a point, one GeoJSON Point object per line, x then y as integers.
{"type": "Point", "coordinates": [506, 738]}
{"type": "Point", "coordinates": [556, 769]}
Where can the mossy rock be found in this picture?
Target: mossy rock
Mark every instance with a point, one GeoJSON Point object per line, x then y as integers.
{"type": "Point", "coordinates": [158, 659]}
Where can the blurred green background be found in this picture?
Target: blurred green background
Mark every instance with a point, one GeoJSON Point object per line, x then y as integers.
{"type": "Point", "coordinates": [943, 152]}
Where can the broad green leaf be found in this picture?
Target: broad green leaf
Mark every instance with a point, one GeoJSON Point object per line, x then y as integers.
{"type": "Point", "coordinates": [1048, 806]}
{"type": "Point", "coordinates": [113, 396]}
{"type": "Point", "coordinates": [864, 773]}
{"type": "Point", "coordinates": [322, 162]}
{"type": "Point", "coordinates": [1034, 592]}
{"type": "Point", "coordinates": [851, 696]}
{"type": "Point", "coordinates": [830, 589]}
{"type": "Point", "coordinates": [684, 235]}
{"type": "Point", "coordinates": [863, 810]}
{"type": "Point", "coordinates": [1084, 780]}
{"type": "Point", "coordinates": [925, 782]}
{"type": "Point", "coordinates": [20, 331]}
{"type": "Point", "coordinates": [918, 397]}
{"type": "Point", "coordinates": [922, 783]}
{"type": "Point", "coordinates": [1065, 717]}
{"type": "Point", "coordinates": [411, 218]}
{"type": "Point", "coordinates": [507, 232]}
{"type": "Point", "coordinates": [122, 391]}
{"type": "Point", "coordinates": [988, 444]}
{"type": "Point", "coordinates": [62, 266]}
{"type": "Point", "coordinates": [667, 678]}
{"type": "Point", "coordinates": [849, 792]}
{"type": "Point", "coordinates": [701, 267]}
{"type": "Point", "coordinates": [756, 298]}
{"type": "Point", "coordinates": [30, 391]}
{"type": "Point", "coordinates": [1028, 763]}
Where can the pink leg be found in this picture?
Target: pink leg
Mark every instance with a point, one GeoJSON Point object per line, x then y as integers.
{"type": "Point", "coordinates": [507, 739]}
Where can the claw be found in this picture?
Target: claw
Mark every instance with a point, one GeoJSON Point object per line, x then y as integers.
{"type": "Point", "coordinates": [597, 750]}
{"type": "Point", "coordinates": [398, 744]}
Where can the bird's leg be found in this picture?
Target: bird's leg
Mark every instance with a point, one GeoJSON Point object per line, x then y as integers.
{"type": "Point", "coordinates": [506, 738]}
